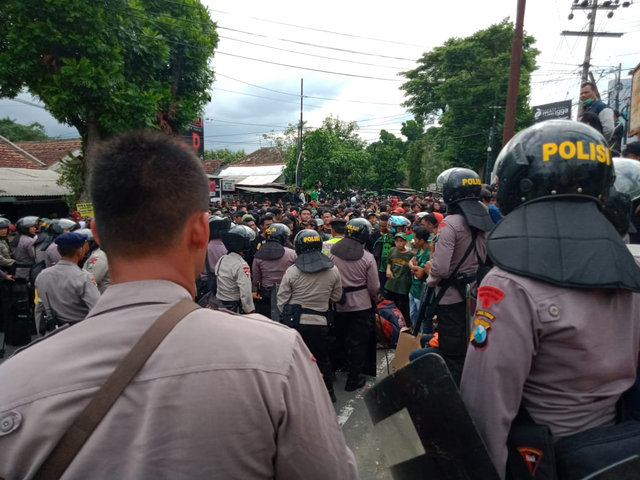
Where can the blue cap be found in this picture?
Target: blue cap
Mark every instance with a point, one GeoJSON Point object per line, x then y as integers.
{"type": "Point", "coordinates": [71, 239]}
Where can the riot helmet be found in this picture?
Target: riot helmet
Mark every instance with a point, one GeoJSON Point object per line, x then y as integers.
{"type": "Point", "coordinates": [397, 222]}
{"type": "Point", "coordinates": [556, 157]}
{"type": "Point", "coordinates": [57, 227]}
{"type": "Point", "coordinates": [308, 246]}
{"type": "Point", "coordinates": [359, 229]}
{"type": "Point", "coordinates": [459, 184]}
{"type": "Point", "coordinates": [238, 239]}
{"type": "Point", "coordinates": [618, 206]}
{"type": "Point", "coordinates": [217, 226]}
{"type": "Point", "coordinates": [4, 222]}
{"type": "Point", "coordinates": [277, 232]}
{"type": "Point", "coordinates": [25, 223]}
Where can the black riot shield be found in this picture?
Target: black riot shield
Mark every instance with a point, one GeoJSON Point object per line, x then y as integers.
{"type": "Point", "coordinates": [17, 325]}
{"type": "Point", "coordinates": [628, 469]}
{"type": "Point", "coordinates": [426, 428]}
{"type": "Point", "coordinates": [275, 313]}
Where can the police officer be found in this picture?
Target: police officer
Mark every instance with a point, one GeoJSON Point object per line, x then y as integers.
{"type": "Point", "coordinates": [97, 264]}
{"type": "Point", "coordinates": [307, 288]}
{"type": "Point", "coordinates": [22, 246]}
{"type": "Point", "coordinates": [215, 251]}
{"type": "Point", "coordinates": [56, 228]}
{"type": "Point", "coordinates": [7, 262]}
{"type": "Point", "coordinates": [461, 248]}
{"type": "Point", "coordinates": [618, 207]}
{"type": "Point", "coordinates": [66, 293]}
{"type": "Point", "coordinates": [355, 321]}
{"type": "Point", "coordinates": [557, 327]}
{"type": "Point", "coordinates": [232, 273]}
{"type": "Point", "coordinates": [338, 228]}
{"type": "Point", "coordinates": [269, 265]}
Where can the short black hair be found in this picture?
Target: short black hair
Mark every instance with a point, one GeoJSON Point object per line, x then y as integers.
{"type": "Point", "coordinates": [485, 193]}
{"type": "Point", "coordinates": [431, 218]}
{"type": "Point", "coordinates": [264, 218]}
{"type": "Point", "coordinates": [305, 208]}
{"type": "Point", "coordinates": [589, 84]}
{"type": "Point", "coordinates": [383, 217]}
{"type": "Point", "coordinates": [138, 178]}
{"type": "Point", "coordinates": [591, 119]}
{"type": "Point", "coordinates": [68, 252]}
{"type": "Point", "coordinates": [421, 233]}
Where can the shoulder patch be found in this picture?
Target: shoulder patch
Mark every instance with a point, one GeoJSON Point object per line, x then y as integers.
{"type": "Point", "coordinates": [247, 271]}
{"type": "Point", "coordinates": [489, 295]}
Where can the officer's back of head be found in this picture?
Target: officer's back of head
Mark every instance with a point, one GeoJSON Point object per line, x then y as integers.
{"type": "Point", "coordinates": [150, 196]}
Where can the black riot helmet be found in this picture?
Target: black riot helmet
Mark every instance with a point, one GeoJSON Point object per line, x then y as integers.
{"type": "Point", "coordinates": [359, 229]}
{"type": "Point", "coordinates": [277, 232]}
{"type": "Point", "coordinates": [4, 222]}
{"type": "Point", "coordinates": [309, 249]}
{"type": "Point", "coordinates": [556, 157]}
{"type": "Point", "coordinates": [238, 238]}
{"type": "Point", "coordinates": [459, 184]}
{"type": "Point", "coordinates": [618, 206]}
{"type": "Point", "coordinates": [25, 223]}
{"type": "Point", "coordinates": [57, 227]}
{"type": "Point", "coordinates": [218, 225]}
{"type": "Point", "coordinates": [307, 241]}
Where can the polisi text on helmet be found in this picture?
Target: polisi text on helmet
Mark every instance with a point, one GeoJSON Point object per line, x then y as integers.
{"type": "Point", "coordinates": [570, 150]}
{"type": "Point", "coordinates": [471, 181]}
{"type": "Point", "coordinates": [312, 239]}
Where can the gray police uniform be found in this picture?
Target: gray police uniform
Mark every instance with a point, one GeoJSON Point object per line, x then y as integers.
{"type": "Point", "coordinates": [234, 282]}
{"type": "Point", "coordinates": [98, 267]}
{"type": "Point", "coordinates": [215, 251]}
{"type": "Point", "coordinates": [211, 402]}
{"type": "Point", "coordinates": [51, 255]}
{"type": "Point", "coordinates": [66, 290]}
{"type": "Point", "coordinates": [24, 255]}
{"type": "Point", "coordinates": [267, 273]}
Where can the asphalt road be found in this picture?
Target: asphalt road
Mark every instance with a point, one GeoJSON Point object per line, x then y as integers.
{"type": "Point", "coordinates": [353, 417]}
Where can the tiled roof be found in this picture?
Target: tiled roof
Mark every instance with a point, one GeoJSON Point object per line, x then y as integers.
{"type": "Point", "coordinates": [262, 156]}
{"type": "Point", "coordinates": [50, 151]}
{"type": "Point", "coordinates": [12, 157]}
{"type": "Point", "coordinates": [211, 166]}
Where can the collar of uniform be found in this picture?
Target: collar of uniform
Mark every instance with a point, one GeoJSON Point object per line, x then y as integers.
{"type": "Point", "coordinates": [145, 291]}
{"type": "Point", "coordinates": [67, 263]}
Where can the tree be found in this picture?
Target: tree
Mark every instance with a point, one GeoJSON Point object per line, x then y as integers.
{"type": "Point", "coordinates": [334, 154]}
{"type": "Point", "coordinates": [456, 85]}
{"type": "Point", "coordinates": [109, 66]}
{"type": "Point", "coordinates": [387, 161]}
{"type": "Point", "coordinates": [229, 156]}
{"type": "Point", "coordinates": [16, 132]}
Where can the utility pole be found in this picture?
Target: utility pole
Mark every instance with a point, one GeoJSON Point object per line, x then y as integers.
{"type": "Point", "coordinates": [490, 146]}
{"type": "Point", "coordinates": [593, 6]}
{"type": "Point", "coordinates": [618, 86]}
{"type": "Point", "coordinates": [514, 76]}
{"type": "Point", "coordinates": [299, 157]}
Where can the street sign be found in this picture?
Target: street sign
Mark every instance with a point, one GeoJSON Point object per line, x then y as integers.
{"type": "Point", "coordinates": [85, 209]}
{"type": "Point", "coordinates": [551, 111]}
{"type": "Point", "coordinates": [193, 136]}
{"type": "Point", "coordinates": [228, 186]}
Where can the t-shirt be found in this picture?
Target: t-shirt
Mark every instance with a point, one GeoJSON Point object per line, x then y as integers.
{"type": "Point", "coordinates": [401, 281]}
{"type": "Point", "coordinates": [422, 256]}
{"type": "Point", "coordinates": [314, 195]}
{"type": "Point", "coordinates": [381, 248]}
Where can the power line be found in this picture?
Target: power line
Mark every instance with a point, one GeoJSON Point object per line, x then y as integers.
{"type": "Point", "coordinates": [266, 98]}
{"type": "Point", "coordinates": [303, 27]}
{"type": "Point", "coordinates": [313, 55]}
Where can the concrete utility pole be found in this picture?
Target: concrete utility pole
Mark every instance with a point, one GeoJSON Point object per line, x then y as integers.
{"type": "Point", "coordinates": [514, 76]}
{"type": "Point", "coordinates": [299, 158]}
{"type": "Point", "coordinates": [593, 6]}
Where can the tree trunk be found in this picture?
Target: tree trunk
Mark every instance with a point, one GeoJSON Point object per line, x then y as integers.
{"type": "Point", "coordinates": [90, 143]}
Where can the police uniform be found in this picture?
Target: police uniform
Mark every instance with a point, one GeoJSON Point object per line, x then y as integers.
{"type": "Point", "coordinates": [65, 290]}
{"type": "Point", "coordinates": [24, 254]}
{"type": "Point", "coordinates": [326, 246]}
{"type": "Point", "coordinates": [6, 260]}
{"type": "Point", "coordinates": [215, 251]}
{"type": "Point", "coordinates": [355, 323]}
{"type": "Point", "coordinates": [269, 265]}
{"type": "Point", "coordinates": [312, 282]}
{"type": "Point", "coordinates": [181, 415]}
{"type": "Point", "coordinates": [98, 267]}
{"type": "Point", "coordinates": [51, 255]}
{"type": "Point", "coordinates": [234, 282]}
{"type": "Point", "coordinates": [557, 325]}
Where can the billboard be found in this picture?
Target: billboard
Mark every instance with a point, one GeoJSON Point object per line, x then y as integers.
{"type": "Point", "coordinates": [551, 111]}
{"type": "Point", "coordinates": [193, 136]}
{"type": "Point", "coordinates": [215, 190]}
{"type": "Point", "coordinates": [634, 106]}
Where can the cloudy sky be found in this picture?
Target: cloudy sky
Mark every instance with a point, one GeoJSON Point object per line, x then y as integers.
{"type": "Point", "coordinates": [252, 97]}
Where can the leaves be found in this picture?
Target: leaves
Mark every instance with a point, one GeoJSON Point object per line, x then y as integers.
{"type": "Point", "coordinates": [15, 132]}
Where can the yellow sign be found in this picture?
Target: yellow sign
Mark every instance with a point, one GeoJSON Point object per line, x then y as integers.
{"type": "Point", "coordinates": [578, 150]}
{"type": "Point", "coordinates": [85, 209]}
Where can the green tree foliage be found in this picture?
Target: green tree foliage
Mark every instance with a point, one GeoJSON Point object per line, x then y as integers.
{"type": "Point", "coordinates": [109, 66]}
{"type": "Point", "coordinates": [387, 161]}
{"type": "Point", "coordinates": [229, 156]}
{"type": "Point", "coordinates": [334, 154]}
{"type": "Point", "coordinates": [456, 85]}
{"type": "Point", "coordinates": [16, 132]}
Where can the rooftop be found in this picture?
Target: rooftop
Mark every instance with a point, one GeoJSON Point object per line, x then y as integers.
{"type": "Point", "coordinates": [51, 151]}
{"type": "Point", "coordinates": [29, 182]}
{"type": "Point", "coordinates": [262, 156]}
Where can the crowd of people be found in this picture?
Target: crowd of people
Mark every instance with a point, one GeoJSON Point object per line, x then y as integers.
{"type": "Point", "coordinates": [513, 300]}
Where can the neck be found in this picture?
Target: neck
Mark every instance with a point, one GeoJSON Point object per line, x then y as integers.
{"type": "Point", "coordinates": [166, 267]}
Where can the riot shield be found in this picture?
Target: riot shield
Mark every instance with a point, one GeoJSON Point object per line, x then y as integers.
{"type": "Point", "coordinates": [17, 324]}
{"type": "Point", "coordinates": [628, 469]}
{"type": "Point", "coordinates": [275, 313]}
{"type": "Point", "coordinates": [426, 428]}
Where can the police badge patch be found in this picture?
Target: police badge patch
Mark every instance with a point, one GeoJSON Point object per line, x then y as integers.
{"type": "Point", "coordinates": [481, 326]}
{"type": "Point", "coordinates": [92, 263]}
